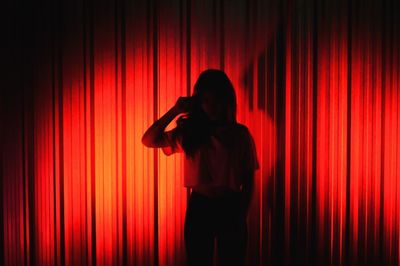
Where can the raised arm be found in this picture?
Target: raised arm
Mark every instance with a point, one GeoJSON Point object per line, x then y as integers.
{"type": "Point", "coordinates": [154, 135]}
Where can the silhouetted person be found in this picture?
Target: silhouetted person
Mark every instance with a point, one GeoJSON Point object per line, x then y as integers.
{"type": "Point", "coordinates": [220, 161]}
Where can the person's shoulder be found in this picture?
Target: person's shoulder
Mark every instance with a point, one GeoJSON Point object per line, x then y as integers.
{"type": "Point", "coordinates": [241, 132]}
{"type": "Point", "coordinates": [242, 129]}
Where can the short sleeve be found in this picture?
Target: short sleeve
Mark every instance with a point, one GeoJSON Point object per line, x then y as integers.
{"type": "Point", "coordinates": [250, 153]}
{"type": "Point", "coordinates": [172, 139]}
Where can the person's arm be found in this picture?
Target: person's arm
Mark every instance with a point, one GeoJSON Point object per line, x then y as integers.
{"type": "Point", "coordinates": [154, 135]}
{"type": "Point", "coordinates": [251, 165]}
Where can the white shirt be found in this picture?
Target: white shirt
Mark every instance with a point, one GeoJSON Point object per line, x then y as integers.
{"type": "Point", "coordinates": [224, 163]}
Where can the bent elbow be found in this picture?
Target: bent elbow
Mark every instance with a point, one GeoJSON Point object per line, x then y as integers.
{"type": "Point", "coordinates": [146, 141]}
{"type": "Point", "coordinates": [150, 141]}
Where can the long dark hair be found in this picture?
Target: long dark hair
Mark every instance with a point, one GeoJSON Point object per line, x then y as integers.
{"type": "Point", "coordinates": [195, 127]}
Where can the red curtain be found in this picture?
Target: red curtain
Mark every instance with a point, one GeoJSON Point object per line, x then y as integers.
{"type": "Point", "coordinates": [317, 84]}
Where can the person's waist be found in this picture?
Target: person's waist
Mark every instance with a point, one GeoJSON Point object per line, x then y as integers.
{"type": "Point", "coordinates": [215, 192]}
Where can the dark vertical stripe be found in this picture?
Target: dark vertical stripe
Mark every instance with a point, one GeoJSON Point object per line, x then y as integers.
{"type": "Point", "coordinates": [347, 246]}
{"type": "Point", "coordinates": [123, 95]}
{"type": "Point", "coordinates": [293, 247]}
{"type": "Point", "coordinates": [382, 162]}
{"type": "Point", "coordinates": [84, 54]}
{"type": "Point", "coordinates": [117, 159]}
{"type": "Point", "coordinates": [371, 245]}
{"type": "Point", "coordinates": [248, 72]}
{"type": "Point", "coordinates": [222, 33]}
{"type": "Point", "coordinates": [30, 109]}
{"type": "Point", "coordinates": [84, 38]}
{"type": "Point", "coordinates": [358, 250]}
{"type": "Point", "coordinates": [327, 50]}
{"type": "Point", "coordinates": [188, 60]}
{"type": "Point", "coordinates": [24, 181]}
{"type": "Point", "coordinates": [53, 100]}
{"type": "Point", "coordinates": [31, 178]}
{"type": "Point", "coordinates": [155, 117]}
{"type": "Point", "coordinates": [61, 149]}
{"type": "Point", "coordinates": [251, 19]}
{"type": "Point", "coordinates": [61, 127]}
{"type": "Point", "coordinates": [92, 129]}
{"type": "Point", "coordinates": [261, 77]}
{"type": "Point", "coordinates": [278, 211]}
{"type": "Point", "coordinates": [313, 252]}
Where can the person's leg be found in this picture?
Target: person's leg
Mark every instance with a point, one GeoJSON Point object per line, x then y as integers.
{"type": "Point", "coordinates": [199, 237]}
{"type": "Point", "coordinates": [232, 235]}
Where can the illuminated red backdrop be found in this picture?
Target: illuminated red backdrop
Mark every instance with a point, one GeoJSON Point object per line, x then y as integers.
{"type": "Point", "coordinates": [317, 84]}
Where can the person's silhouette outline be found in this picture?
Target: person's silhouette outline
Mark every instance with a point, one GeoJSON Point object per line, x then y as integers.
{"type": "Point", "coordinates": [220, 161]}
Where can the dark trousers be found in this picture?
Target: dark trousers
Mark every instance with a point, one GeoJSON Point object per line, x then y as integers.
{"type": "Point", "coordinates": [219, 218]}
